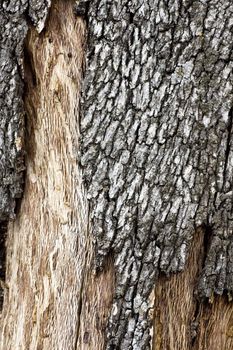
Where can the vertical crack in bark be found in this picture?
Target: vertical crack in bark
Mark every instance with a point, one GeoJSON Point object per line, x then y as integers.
{"type": "Point", "coordinates": [81, 9]}
{"type": "Point", "coordinates": [156, 147]}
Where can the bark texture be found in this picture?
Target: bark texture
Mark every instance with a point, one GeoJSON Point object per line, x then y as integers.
{"type": "Point", "coordinates": [156, 134]}
{"type": "Point", "coordinates": [157, 151]}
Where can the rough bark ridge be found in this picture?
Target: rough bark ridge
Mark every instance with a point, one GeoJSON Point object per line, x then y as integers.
{"type": "Point", "coordinates": [157, 147]}
{"type": "Point", "coordinates": [13, 23]}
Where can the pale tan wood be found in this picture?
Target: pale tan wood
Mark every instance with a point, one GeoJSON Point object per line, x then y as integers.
{"type": "Point", "coordinates": [215, 330]}
{"type": "Point", "coordinates": [49, 248]}
{"type": "Point", "coordinates": [54, 301]}
{"type": "Point", "coordinates": [175, 304]}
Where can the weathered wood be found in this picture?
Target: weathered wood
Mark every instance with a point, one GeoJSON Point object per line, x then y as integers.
{"type": "Point", "coordinates": [48, 249]}
{"type": "Point", "coordinates": [97, 299]}
{"type": "Point", "coordinates": [156, 135]}
{"type": "Point", "coordinates": [13, 30]}
{"type": "Point", "coordinates": [52, 298]}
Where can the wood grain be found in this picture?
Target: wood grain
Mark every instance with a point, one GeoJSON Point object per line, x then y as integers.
{"type": "Point", "coordinates": [49, 248]}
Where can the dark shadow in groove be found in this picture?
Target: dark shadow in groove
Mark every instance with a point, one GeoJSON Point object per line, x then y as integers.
{"type": "Point", "coordinates": [228, 143]}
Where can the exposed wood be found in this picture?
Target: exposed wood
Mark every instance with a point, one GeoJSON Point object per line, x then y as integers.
{"type": "Point", "coordinates": [47, 245]}
{"type": "Point", "coordinates": [97, 298]}
{"type": "Point", "coordinates": [156, 153]}
{"type": "Point", "coordinates": [13, 30]}
{"type": "Point", "coordinates": [175, 303]}
{"type": "Point", "coordinates": [54, 300]}
{"type": "Point", "coordinates": [181, 320]}
{"type": "Point", "coordinates": [215, 325]}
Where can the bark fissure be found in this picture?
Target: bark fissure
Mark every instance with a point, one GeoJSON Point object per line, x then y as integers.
{"type": "Point", "coordinates": [79, 311]}
{"type": "Point", "coordinates": [228, 143]}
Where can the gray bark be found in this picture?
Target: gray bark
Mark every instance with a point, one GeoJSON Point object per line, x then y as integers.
{"type": "Point", "coordinates": [157, 150]}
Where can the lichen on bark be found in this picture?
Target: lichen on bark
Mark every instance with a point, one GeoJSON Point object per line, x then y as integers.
{"type": "Point", "coordinates": [157, 147]}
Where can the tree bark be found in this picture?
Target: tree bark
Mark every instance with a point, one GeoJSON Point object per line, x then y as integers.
{"type": "Point", "coordinates": [128, 189]}
{"type": "Point", "coordinates": [157, 148]}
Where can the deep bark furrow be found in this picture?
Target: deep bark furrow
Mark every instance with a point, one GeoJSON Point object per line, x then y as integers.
{"type": "Point", "coordinates": [155, 130]}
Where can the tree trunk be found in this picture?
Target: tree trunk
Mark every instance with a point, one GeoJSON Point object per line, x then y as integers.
{"type": "Point", "coordinates": [124, 186]}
